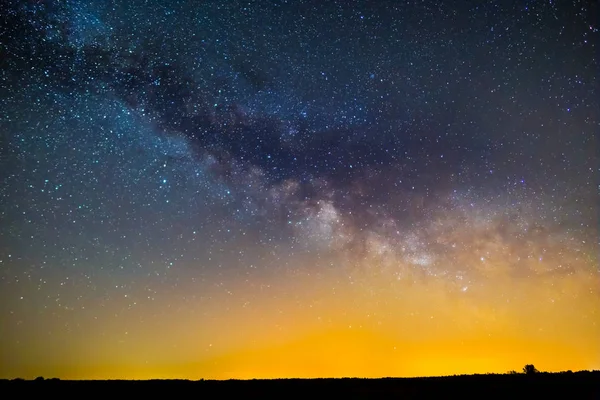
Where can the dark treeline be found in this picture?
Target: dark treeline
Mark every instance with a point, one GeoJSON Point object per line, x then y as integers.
{"type": "Point", "coordinates": [534, 385]}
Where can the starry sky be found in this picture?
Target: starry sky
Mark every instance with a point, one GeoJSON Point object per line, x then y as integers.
{"type": "Point", "coordinates": [260, 189]}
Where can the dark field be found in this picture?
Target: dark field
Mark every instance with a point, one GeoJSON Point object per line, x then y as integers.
{"type": "Point", "coordinates": [578, 385]}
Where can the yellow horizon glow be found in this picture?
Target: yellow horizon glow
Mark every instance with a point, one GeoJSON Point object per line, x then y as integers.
{"type": "Point", "coordinates": [406, 330]}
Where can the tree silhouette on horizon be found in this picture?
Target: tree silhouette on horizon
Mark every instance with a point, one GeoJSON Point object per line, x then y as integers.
{"type": "Point", "coordinates": [530, 369]}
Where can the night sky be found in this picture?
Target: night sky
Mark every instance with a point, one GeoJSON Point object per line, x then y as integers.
{"type": "Point", "coordinates": [259, 189]}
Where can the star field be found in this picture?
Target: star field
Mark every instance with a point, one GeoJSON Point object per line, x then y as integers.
{"type": "Point", "coordinates": [230, 189]}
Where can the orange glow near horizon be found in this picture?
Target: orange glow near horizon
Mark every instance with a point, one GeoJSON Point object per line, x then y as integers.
{"type": "Point", "coordinates": [300, 328]}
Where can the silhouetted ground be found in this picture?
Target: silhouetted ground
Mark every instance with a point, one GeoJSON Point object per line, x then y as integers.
{"type": "Point", "coordinates": [577, 385]}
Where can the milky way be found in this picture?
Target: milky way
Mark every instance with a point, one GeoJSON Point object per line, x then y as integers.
{"type": "Point", "coordinates": [298, 188]}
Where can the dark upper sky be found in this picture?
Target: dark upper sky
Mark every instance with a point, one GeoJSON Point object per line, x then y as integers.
{"type": "Point", "coordinates": [140, 138]}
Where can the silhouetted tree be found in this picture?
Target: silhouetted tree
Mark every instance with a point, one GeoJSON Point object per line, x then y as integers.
{"type": "Point", "coordinates": [529, 369]}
